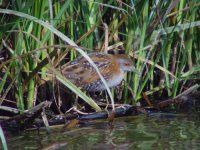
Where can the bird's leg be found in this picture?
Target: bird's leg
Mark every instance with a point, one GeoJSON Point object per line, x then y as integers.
{"type": "Point", "coordinates": [119, 90]}
{"type": "Point", "coordinates": [107, 102]}
{"type": "Point", "coordinates": [74, 108]}
{"type": "Point", "coordinates": [76, 101]}
{"type": "Point", "coordinates": [77, 105]}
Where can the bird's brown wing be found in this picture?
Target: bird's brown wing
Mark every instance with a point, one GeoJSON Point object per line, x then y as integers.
{"type": "Point", "coordinates": [81, 73]}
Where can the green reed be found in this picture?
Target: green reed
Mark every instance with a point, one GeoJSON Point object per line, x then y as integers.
{"type": "Point", "coordinates": [161, 37]}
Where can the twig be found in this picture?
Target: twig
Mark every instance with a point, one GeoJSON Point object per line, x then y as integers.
{"type": "Point", "coordinates": [174, 100]}
{"type": "Point", "coordinates": [10, 109]}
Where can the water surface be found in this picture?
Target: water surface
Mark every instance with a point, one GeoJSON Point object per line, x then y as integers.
{"type": "Point", "coordinates": [157, 131]}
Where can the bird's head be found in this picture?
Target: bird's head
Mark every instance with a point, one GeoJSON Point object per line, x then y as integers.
{"type": "Point", "coordinates": [126, 64]}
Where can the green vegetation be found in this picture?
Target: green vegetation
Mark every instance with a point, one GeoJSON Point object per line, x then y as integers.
{"type": "Point", "coordinates": [161, 36]}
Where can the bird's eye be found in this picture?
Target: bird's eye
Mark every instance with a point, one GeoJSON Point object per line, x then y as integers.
{"type": "Point", "coordinates": [126, 64]}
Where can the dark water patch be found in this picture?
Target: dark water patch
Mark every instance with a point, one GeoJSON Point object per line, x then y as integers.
{"type": "Point", "coordinates": [158, 131]}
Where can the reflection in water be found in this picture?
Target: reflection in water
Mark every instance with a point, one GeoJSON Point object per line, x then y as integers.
{"type": "Point", "coordinates": [141, 132]}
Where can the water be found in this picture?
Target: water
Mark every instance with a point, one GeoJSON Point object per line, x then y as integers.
{"type": "Point", "coordinates": [158, 131]}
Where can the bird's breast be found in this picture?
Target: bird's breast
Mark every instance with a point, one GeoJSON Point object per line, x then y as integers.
{"type": "Point", "coordinates": [116, 79]}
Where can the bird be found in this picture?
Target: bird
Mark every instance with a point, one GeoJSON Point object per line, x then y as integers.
{"type": "Point", "coordinates": [112, 67]}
